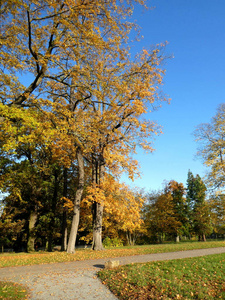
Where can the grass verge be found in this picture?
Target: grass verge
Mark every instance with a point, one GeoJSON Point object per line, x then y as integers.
{"type": "Point", "coordinates": [22, 259]}
{"type": "Point", "coordinates": [190, 278]}
{"type": "Point", "coordinates": [10, 290]}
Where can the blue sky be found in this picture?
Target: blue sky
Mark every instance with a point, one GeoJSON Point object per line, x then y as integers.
{"type": "Point", "coordinates": [194, 80]}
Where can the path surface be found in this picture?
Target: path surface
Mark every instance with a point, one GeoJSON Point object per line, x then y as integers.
{"type": "Point", "coordinates": [78, 280]}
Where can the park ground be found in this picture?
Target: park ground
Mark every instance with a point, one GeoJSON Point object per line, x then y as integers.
{"type": "Point", "coordinates": [84, 259]}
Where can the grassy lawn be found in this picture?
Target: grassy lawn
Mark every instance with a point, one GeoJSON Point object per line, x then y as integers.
{"type": "Point", "coordinates": [190, 278]}
{"type": "Point", "coordinates": [9, 290]}
{"type": "Point", "coordinates": [22, 259]}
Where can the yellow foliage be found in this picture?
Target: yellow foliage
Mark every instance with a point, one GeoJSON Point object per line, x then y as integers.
{"type": "Point", "coordinates": [67, 203]}
{"type": "Point", "coordinates": [121, 205]}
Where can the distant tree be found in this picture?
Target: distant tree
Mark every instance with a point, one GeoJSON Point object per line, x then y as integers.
{"type": "Point", "coordinates": [177, 192]}
{"type": "Point", "coordinates": [210, 137]}
{"type": "Point", "coordinates": [160, 216]}
{"type": "Point", "coordinates": [217, 211]}
{"type": "Point", "coordinates": [198, 209]}
{"type": "Point", "coordinates": [202, 221]}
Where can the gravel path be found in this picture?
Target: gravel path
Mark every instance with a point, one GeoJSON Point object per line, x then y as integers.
{"type": "Point", "coordinates": [78, 280]}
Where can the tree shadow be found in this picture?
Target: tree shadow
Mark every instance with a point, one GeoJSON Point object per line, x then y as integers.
{"type": "Point", "coordinates": [100, 266]}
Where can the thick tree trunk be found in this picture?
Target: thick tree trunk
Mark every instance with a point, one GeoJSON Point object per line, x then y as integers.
{"type": "Point", "coordinates": [76, 210]}
{"type": "Point", "coordinates": [97, 177]}
{"type": "Point", "coordinates": [31, 226]}
{"type": "Point", "coordinates": [97, 226]}
{"type": "Point", "coordinates": [177, 238]}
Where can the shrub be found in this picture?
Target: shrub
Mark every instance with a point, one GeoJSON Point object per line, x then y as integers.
{"type": "Point", "coordinates": [115, 242]}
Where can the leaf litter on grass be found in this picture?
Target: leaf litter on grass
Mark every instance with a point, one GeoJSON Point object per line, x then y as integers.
{"type": "Point", "coordinates": [22, 259]}
{"type": "Point", "coordinates": [10, 290]}
{"type": "Point", "coordinates": [190, 278]}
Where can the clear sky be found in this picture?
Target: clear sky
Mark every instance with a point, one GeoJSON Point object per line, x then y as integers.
{"type": "Point", "coordinates": [194, 80]}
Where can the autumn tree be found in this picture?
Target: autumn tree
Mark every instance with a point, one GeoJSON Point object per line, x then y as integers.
{"type": "Point", "coordinates": [217, 212]}
{"type": "Point", "coordinates": [177, 192]}
{"type": "Point", "coordinates": [198, 209]}
{"type": "Point", "coordinates": [210, 138]}
{"type": "Point", "coordinates": [122, 208]}
{"type": "Point", "coordinates": [83, 84]}
{"type": "Point", "coordinates": [119, 92]}
{"type": "Point", "coordinates": [46, 42]}
{"type": "Point", "coordinates": [160, 216]}
{"type": "Point", "coordinates": [116, 117]}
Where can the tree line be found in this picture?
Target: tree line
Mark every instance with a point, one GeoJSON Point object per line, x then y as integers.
{"type": "Point", "coordinates": [130, 216]}
{"type": "Point", "coordinates": [177, 212]}
{"type": "Point", "coordinates": [196, 210]}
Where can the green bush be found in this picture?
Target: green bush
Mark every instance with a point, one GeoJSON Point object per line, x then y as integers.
{"type": "Point", "coordinates": [115, 242]}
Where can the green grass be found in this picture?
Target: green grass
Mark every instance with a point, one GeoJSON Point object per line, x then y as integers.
{"type": "Point", "coordinates": [22, 259]}
{"type": "Point", "coordinates": [9, 290]}
{"type": "Point", "coordinates": [191, 278]}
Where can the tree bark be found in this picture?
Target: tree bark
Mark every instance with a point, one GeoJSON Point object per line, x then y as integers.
{"type": "Point", "coordinates": [177, 238]}
{"type": "Point", "coordinates": [64, 230]}
{"type": "Point", "coordinates": [97, 226]}
{"type": "Point", "coordinates": [31, 237]}
{"type": "Point", "coordinates": [49, 243]}
{"type": "Point", "coordinates": [76, 209]}
{"type": "Point", "coordinates": [131, 238]}
{"type": "Point", "coordinates": [53, 210]}
{"type": "Point", "coordinates": [98, 174]}
{"type": "Point", "coordinates": [64, 217]}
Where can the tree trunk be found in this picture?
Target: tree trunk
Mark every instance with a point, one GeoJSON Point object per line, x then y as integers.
{"type": "Point", "coordinates": [97, 176]}
{"type": "Point", "coordinates": [53, 210]}
{"type": "Point", "coordinates": [31, 237]}
{"type": "Point", "coordinates": [64, 231]}
{"type": "Point", "coordinates": [76, 209]}
{"type": "Point", "coordinates": [97, 226]}
{"type": "Point", "coordinates": [130, 238]}
{"type": "Point", "coordinates": [65, 239]}
{"type": "Point", "coordinates": [177, 238]}
{"type": "Point", "coordinates": [64, 217]}
{"type": "Point", "coordinates": [49, 243]}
